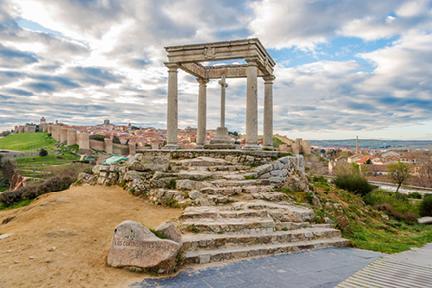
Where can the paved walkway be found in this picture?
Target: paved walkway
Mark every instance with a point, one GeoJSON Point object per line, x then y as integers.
{"type": "Point", "coordinates": [319, 268]}
{"type": "Point", "coordinates": [409, 269]}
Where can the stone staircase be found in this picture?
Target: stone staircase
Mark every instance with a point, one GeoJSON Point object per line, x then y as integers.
{"type": "Point", "coordinates": [236, 216]}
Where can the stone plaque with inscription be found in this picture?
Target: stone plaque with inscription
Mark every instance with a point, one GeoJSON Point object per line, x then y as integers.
{"type": "Point", "coordinates": [133, 245]}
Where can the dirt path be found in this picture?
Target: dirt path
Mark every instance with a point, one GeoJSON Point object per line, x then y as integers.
{"type": "Point", "coordinates": [62, 239]}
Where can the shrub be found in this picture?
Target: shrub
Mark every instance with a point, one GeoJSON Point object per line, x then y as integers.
{"type": "Point", "coordinates": [53, 184]}
{"type": "Point", "coordinates": [116, 140]}
{"type": "Point", "coordinates": [97, 137]}
{"type": "Point", "coordinates": [8, 169]}
{"type": "Point", "coordinates": [396, 205]}
{"type": "Point", "coordinates": [354, 183]}
{"type": "Point", "coordinates": [43, 152]}
{"type": "Point", "coordinates": [426, 206]}
{"type": "Point", "coordinates": [415, 195]}
{"type": "Point", "coordinates": [402, 216]}
{"type": "Point", "coordinates": [319, 179]}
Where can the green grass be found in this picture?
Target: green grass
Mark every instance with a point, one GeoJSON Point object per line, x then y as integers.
{"type": "Point", "coordinates": [392, 238]}
{"type": "Point", "coordinates": [398, 201]}
{"type": "Point", "coordinates": [277, 142]}
{"type": "Point", "coordinates": [367, 227]}
{"type": "Point", "coordinates": [38, 167]}
{"type": "Point", "coordinates": [27, 142]}
{"type": "Point", "coordinates": [19, 204]}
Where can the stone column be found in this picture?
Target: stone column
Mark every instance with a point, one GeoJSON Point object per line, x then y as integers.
{"type": "Point", "coordinates": [268, 112]}
{"type": "Point", "coordinates": [224, 85]}
{"type": "Point", "coordinates": [251, 105]}
{"type": "Point", "coordinates": [172, 107]}
{"type": "Point", "coordinates": [108, 145]}
{"type": "Point", "coordinates": [202, 113]}
{"type": "Point", "coordinates": [71, 136]}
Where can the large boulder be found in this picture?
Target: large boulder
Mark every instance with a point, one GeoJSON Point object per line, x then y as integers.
{"type": "Point", "coordinates": [135, 246]}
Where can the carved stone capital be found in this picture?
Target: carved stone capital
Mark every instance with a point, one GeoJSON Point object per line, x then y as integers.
{"type": "Point", "coordinates": [172, 67]}
{"type": "Point", "coordinates": [202, 81]}
{"type": "Point", "coordinates": [252, 61]}
{"type": "Point", "coordinates": [269, 79]}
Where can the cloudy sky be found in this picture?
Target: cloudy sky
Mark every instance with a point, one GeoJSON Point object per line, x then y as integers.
{"type": "Point", "coordinates": [344, 68]}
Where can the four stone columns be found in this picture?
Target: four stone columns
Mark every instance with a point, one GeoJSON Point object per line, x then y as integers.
{"type": "Point", "coordinates": [172, 107]}
{"type": "Point", "coordinates": [251, 106]}
{"type": "Point", "coordinates": [268, 112]}
{"type": "Point", "coordinates": [202, 113]}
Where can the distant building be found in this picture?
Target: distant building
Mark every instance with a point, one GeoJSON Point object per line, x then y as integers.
{"type": "Point", "coordinates": [106, 122]}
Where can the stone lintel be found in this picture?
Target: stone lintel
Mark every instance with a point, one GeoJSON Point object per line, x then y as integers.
{"type": "Point", "coordinates": [195, 69]}
{"type": "Point", "coordinates": [229, 71]}
{"type": "Point", "coordinates": [225, 50]}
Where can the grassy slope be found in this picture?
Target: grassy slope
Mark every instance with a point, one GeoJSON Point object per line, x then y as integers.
{"type": "Point", "coordinates": [367, 227]}
{"type": "Point", "coordinates": [37, 166]}
{"type": "Point", "coordinates": [40, 167]}
{"type": "Point", "coordinates": [27, 142]}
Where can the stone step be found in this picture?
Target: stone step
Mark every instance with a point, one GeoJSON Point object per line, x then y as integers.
{"type": "Point", "coordinates": [240, 183]}
{"type": "Point", "coordinates": [214, 213]}
{"type": "Point", "coordinates": [235, 190]}
{"type": "Point", "coordinates": [228, 225]}
{"type": "Point", "coordinates": [219, 199]}
{"type": "Point", "coordinates": [279, 211]}
{"type": "Point", "coordinates": [237, 252]}
{"type": "Point", "coordinates": [201, 162]}
{"type": "Point", "coordinates": [323, 225]}
{"type": "Point", "coordinates": [286, 226]}
{"type": "Point", "coordinates": [270, 196]}
{"type": "Point", "coordinates": [215, 241]}
{"type": "Point", "coordinates": [215, 168]}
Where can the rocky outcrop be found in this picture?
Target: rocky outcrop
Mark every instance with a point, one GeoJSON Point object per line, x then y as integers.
{"type": "Point", "coordinates": [135, 246]}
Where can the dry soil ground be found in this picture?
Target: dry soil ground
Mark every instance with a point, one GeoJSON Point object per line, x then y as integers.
{"type": "Point", "coordinates": [62, 239]}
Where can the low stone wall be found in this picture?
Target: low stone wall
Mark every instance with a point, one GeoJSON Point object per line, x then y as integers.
{"type": "Point", "coordinates": [276, 171]}
{"type": "Point", "coordinates": [144, 171]}
{"type": "Point", "coordinates": [246, 157]}
{"type": "Point", "coordinates": [288, 171]}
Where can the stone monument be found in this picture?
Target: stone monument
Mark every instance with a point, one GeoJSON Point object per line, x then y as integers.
{"type": "Point", "coordinates": [258, 64]}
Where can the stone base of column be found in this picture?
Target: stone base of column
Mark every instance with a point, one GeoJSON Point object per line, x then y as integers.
{"type": "Point", "coordinates": [222, 136]}
{"type": "Point", "coordinates": [252, 147]}
{"type": "Point", "coordinates": [171, 147]}
{"type": "Point", "coordinates": [199, 147]}
{"type": "Point", "coordinates": [268, 147]}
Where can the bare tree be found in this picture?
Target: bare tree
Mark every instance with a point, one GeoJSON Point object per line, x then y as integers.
{"type": "Point", "coordinates": [425, 173]}
{"type": "Point", "coordinates": [398, 173]}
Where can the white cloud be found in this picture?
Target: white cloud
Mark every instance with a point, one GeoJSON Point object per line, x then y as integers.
{"type": "Point", "coordinates": [97, 59]}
